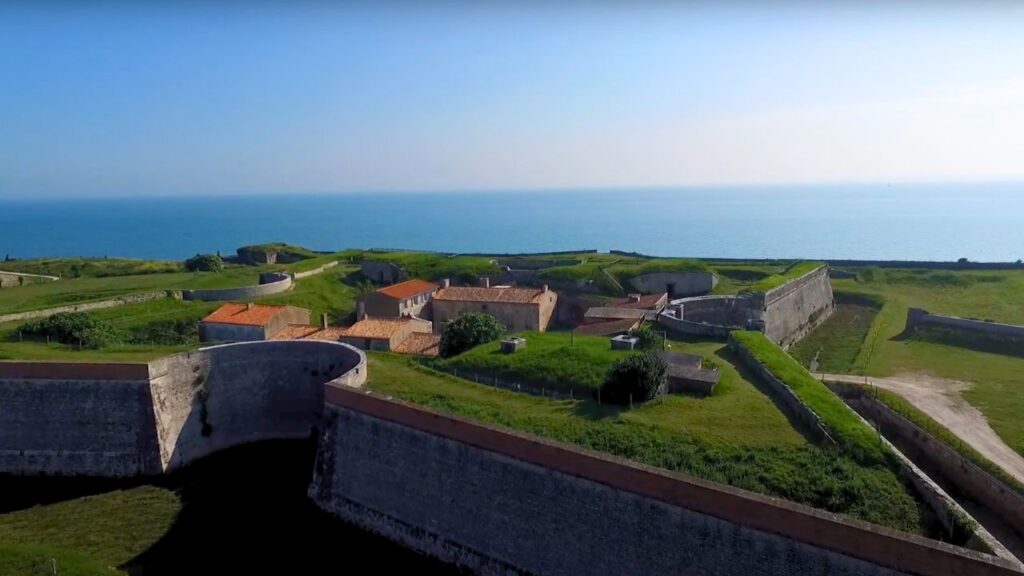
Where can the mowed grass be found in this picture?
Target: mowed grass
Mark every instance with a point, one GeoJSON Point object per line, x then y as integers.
{"type": "Point", "coordinates": [836, 344]}
{"type": "Point", "coordinates": [736, 437]}
{"type": "Point", "coordinates": [997, 380]}
{"type": "Point", "coordinates": [90, 535]}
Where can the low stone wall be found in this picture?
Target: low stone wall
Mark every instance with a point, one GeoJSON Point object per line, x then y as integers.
{"type": "Point", "coordinates": [270, 283]}
{"type": "Point", "coordinates": [88, 306]}
{"type": "Point", "coordinates": [669, 320]}
{"type": "Point", "coordinates": [12, 279]}
{"type": "Point", "coordinates": [501, 502]}
{"type": "Point", "coordinates": [916, 317]}
{"type": "Point", "coordinates": [314, 272]}
{"type": "Point", "coordinates": [937, 457]}
{"type": "Point", "coordinates": [784, 395]}
{"type": "Point", "coordinates": [109, 420]}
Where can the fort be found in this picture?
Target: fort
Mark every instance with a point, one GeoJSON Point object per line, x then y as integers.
{"type": "Point", "coordinates": [388, 466]}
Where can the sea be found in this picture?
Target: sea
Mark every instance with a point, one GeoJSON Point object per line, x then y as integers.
{"type": "Point", "coordinates": [980, 222]}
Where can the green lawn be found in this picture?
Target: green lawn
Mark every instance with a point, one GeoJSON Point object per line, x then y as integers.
{"type": "Point", "coordinates": [838, 341]}
{"type": "Point", "coordinates": [736, 436]}
{"type": "Point", "coordinates": [998, 380]}
{"type": "Point", "coordinates": [792, 272]}
{"type": "Point", "coordinates": [92, 267]}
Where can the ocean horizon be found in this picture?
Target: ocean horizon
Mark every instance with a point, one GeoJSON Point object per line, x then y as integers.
{"type": "Point", "coordinates": [941, 222]}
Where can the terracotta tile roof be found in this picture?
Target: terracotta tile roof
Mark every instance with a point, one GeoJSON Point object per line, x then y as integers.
{"type": "Point", "coordinates": [307, 332]}
{"type": "Point", "coordinates": [377, 328]}
{"type": "Point", "coordinates": [408, 288]}
{"type": "Point", "coordinates": [244, 314]}
{"type": "Point", "coordinates": [598, 312]}
{"type": "Point", "coordinates": [647, 302]}
{"type": "Point", "coordinates": [607, 327]}
{"type": "Point", "coordinates": [493, 294]}
{"type": "Point", "coordinates": [420, 343]}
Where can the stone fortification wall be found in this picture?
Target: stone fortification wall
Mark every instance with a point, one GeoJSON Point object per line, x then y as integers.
{"type": "Point", "coordinates": [62, 418]}
{"type": "Point", "coordinates": [939, 459]}
{"type": "Point", "coordinates": [677, 284]}
{"type": "Point", "coordinates": [794, 309]}
{"type": "Point", "coordinates": [88, 306]}
{"type": "Point", "coordinates": [710, 316]}
{"type": "Point", "coordinates": [501, 502]}
{"type": "Point", "coordinates": [315, 271]}
{"type": "Point", "coordinates": [270, 283]}
{"type": "Point", "coordinates": [125, 420]}
{"type": "Point", "coordinates": [916, 317]}
{"type": "Point", "coordinates": [12, 279]}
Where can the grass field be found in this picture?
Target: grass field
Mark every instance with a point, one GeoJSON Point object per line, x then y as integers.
{"type": "Point", "coordinates": [998, 380]}
{"type": "Point", "coordinates": [834, 346]}
{"type": "Point", "coordinates": [736, 436]}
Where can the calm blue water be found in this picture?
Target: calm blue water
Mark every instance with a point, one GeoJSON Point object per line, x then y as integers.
{"type": "Point", "coordinates": [980, 222]}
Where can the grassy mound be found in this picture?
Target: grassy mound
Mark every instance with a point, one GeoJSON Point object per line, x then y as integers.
{"type": "Point", "coordinates": [795, 271]}
{"type": "Point", "coordinates": [91, 267]}
{"type": "Point", "coordinates": [433, 266]}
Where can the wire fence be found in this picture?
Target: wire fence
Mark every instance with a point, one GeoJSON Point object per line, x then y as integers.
{"type": "Point", "coordinates": [494, 381]}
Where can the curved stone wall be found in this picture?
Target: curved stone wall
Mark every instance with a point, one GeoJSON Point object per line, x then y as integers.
{"type": "Point", "coordinates": [270, 283]}
{"type": "Point", "coordinates": [109, 421]}
{"type": "Point", "coordinates": [315, 271]}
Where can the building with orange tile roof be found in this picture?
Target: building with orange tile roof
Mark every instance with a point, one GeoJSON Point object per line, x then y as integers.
{"type": "Point", "coordinates": [403, 299]}
{"type": "Point", "coordinates": [238, 322]}
{"type": "Point", "coordinates": [384, 334]}
{"type": "Point", "coordinates": [420, 344]}
{"type": "Point", "coordinates": [517, 308]}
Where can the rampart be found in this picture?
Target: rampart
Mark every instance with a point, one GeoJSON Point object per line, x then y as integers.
{"type": "Point", "coordinates": [12, 279]}
{"type": "Point", "coordinates": [501, 502]}
{"type": "Point", "coordinates": [916, 317]}
{"type": "Point", "coordinates": [123, 420]}
{"type": "Point", "coordinates": [89, 306]}
{"type": "Point", "coordinates": [676, 284]}
{"type": "Point", "coordinates": [315, 271]}
{"type": "Point", "coordinates": [270, 283]}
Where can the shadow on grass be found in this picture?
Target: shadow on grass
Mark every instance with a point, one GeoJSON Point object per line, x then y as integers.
{"type": "Point", "coordinates": [591, 410]}
{"type": "Point", "coordinates": [729, 356]}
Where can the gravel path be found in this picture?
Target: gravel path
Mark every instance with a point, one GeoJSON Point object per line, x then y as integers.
{"type": "Point", "coordinates": [940, 398]}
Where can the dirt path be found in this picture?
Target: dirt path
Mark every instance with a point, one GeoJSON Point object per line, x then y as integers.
{"type": "Point", "coordinates": [940, 398]}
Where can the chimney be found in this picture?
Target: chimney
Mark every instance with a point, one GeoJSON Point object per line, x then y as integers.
{"type": "Point", "coordinates": [446, 283]}
{"type": "Point", "coordinates": [323, 321]}
{"type": "Point", "coordinates": [545, 288]}
{"type": "Point", "coordinates": [248, 305]}
{"type": "Point", "coordinates": [486, 282]}
{"type": "Point", "coordinates": [360, 311]}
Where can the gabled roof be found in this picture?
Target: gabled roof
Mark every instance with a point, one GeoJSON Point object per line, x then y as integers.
{"type": "Point", "coordinates": [408, 288]}
{"type": "Point", "coordinates": [245, 314]}
{"type": "Point", "coordinates": [614, 313]}
{"type": "Point", "coordinates": [420, 343]}
{"type": "Point", "coordinates": [496, 294]}
{"type": "Point", "coordinates": [308, 332]}
{"type": "Point", "coordinates": [373, 328]}
{"type": "Point", "coordinates": [607, 327]}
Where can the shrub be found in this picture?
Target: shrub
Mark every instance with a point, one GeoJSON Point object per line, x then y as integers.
{"type": "Point", "coordinates": [636, 378]}
{"type": "Point", "coordinates": [469, 331]}
{"type": "Point", "coordinates": [650, 339]}
{"type": "Point", "coordinates": [204, 263]}
{"type": "Point", "coordinates": [74, 328]}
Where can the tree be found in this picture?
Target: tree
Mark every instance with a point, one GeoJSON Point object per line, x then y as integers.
{"type": "Point", "coordinates": [204, 263]}
{"type": "Point", "coordinates": [962, 261]}
{"type": "Point", "coordinates": [637, 378]}
{"type": "Point", "coordinates": [468, 331]}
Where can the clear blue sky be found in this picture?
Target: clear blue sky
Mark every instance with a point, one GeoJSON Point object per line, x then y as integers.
{"type": "Point", "coordinates": [181, 98]}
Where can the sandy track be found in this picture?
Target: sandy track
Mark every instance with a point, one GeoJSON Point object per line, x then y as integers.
{"type": "Point", "coordinates": [940, 398]}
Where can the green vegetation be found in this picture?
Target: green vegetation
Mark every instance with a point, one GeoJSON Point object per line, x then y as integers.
{"type": "Point", "coordinates": [285, 252]}
{"type": "Point", "coordinates": [649, 338]}
{"type": "Point", "coordinates": [72, 328]}
{"type": "Point", "coordinates": [853, 436]}
{"type": "Point", "coordinates": [555, 360]}
{"type": "Point", "coordinates": [908, 411]}
{"type": "Point", "coordinates": [635, 378]}
{"type": "Point", "coordinates": [836, 344]}
{"type": "Point", "coordinates": [90, 267]}
{"type": "Point", "coordinates": [611, 274]}
{"type": "Point", "coordinates": [997, 379]}
{"type": "Point", "coordinates": [432, 266]}
{"type": "Point", "coordinates": [204, 263]}
{"type": "Point", "coordinates": [469, 331]}
{"type": "Point", "coordinates": [736, 436]}
{"type": "Point", "coordinates": [793, 272]}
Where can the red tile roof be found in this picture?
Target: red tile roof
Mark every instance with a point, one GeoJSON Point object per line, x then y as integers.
{"type": "Point", "coordinates": [607, 327]}
{"type": "Point", "coordinates": [377, 328]}
{"type": "Point", "coordinates": [493, 294]}
{"type": "Point", "coordinates": [244, 314]}
{"type": "Point", "coordinates": [407, 289]}
{"type": "Point", "coordinates": [420, 343]}
{"type": "Point", "coordinates": [307, 332]}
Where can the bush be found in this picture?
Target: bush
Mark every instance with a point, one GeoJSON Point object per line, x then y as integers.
{"type": "Point", "coordinates": [204, 263]}
{"type": "Point", "coordinates": [74, 328]}
{"type": "Point", "coordinates": [636, 378]}
{"type": "Point", "coordinates": [650, 339]}
{"type": "Point", "coordinates": [469, 331]}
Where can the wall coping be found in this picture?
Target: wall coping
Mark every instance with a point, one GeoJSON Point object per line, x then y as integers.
{"type": "Point", "coordinates": [875, 544]}
{"type": "Point", "coordinates": [73, 371]}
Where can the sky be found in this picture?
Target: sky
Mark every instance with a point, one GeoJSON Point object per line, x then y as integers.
{"type": "Point", "coordinates": [191, 98]}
